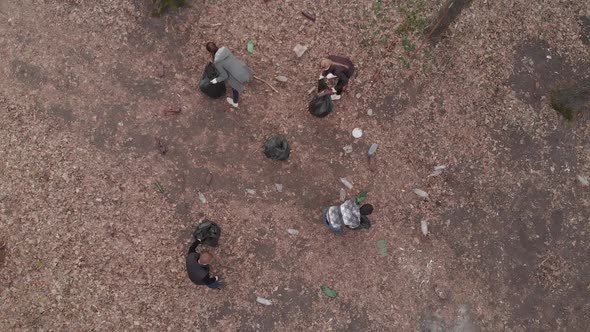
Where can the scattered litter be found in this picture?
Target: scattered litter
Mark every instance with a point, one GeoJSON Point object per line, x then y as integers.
{"type": "Point", "coordinates": [163, 148]}
{"type": "Point", "coordinates": [438, 170]}
{"type": "Point", "coordinates": [549, 57]}
{"type": "Point", "coordinates": [174, 110]}
{"type": "Point", "coordinates": [159, 187]}
{"type": "Point", "coordinates": [382, 246]}
{"type": "Point", "coordinates": [292, 231]}
{"type": "Point", "coordinates": [346, 183]}
{"type": "Point", "coordinates": [583, 180]}
{"type": "Point", "coordinates": [251, 191]}
{"type": "Point", "coordinates": [262, 300]}
{"type": "Point", "coordinates": [161, 70]}
{"type": "Point", "coordinates": [279, 187]}
{"type": "Point", "coordinates": [370, 112]}
{"type": "Point", "coordinates": [281, 78]}
{"type": "Point", "coordinates": [440, 292]}
{"type": "Point", "coordinates": [209, 178]}
{"type": "Point", "coordinates": [358, 95]}
{"type": "Point", "coordinates": [347, 149]}
{"type": "Point", "coordinates": [311, 90]}
{"type": "Point", "coordinates": [309, 15]}
{"type": "Point", "coordinates": [342, 195]}
{"type": "Point", "coordinates": [357, 133]}
{"type": "Point", "coordinates": [250, 46]}
{"type": "Point", "coordinates": [362, 196]}
{"type": "Point", "coordinates": [202, 198]}
{"type": "Point", "coordinates": [421, 193]}
{"type": "Point", "coordinates": [424, 227]}
{"type": "Point", "coordinates": [329, 292]}
{"type": "Point", "coordinates": [300, 49]}
{"type": "Point", "coordinates": [373, 149]}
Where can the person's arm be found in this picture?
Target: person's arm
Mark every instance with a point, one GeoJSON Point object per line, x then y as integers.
{"type": "Point", "coordinates": [326, 72]}
{"type": "Point", "coordinates": [223, 75]}
{"type": "Point", "coordinates": [193, 247]}
{"type": "Point", "coordinates": [342, 81]}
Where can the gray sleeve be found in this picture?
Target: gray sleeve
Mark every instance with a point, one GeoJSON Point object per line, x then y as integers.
{"type": "Point", "coordinates": [222, 72]}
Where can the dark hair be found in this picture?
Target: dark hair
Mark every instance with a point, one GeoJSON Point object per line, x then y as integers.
{"type": "Point", "coordinates": [211, 47]}
{"type": "Point", "coordinates": [366, 209]}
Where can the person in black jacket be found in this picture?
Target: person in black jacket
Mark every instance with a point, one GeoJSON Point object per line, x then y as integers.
{"type": "Point", "coordinates": [337, 67]}
{"type": "Point", "coordinates": [197, 266]}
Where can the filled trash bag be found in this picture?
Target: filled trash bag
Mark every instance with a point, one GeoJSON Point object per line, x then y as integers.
{"type": "Point", "coordinates": [208, 233]}
{"type": "Point", "coordinates": [277, 148]}
{"type": "Point", "coordinates": [321, 104]}
{"type": "Point", "coordinates": [216, 90]}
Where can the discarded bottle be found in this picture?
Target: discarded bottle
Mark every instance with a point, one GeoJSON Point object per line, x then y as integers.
{"type": "Point", "coordinates": [382, 246]}
{"type": "Point", "coordinates": [250, 46]}
{"type": "Point", "coordinates": [262, 300]}
{"type": "Point", "coordinates": [292, 231]}
{"type": "Point", "coordinates": [346, 183]}
{"type": "Point", "coordinates": [202, 198]}
{"type": "Point", "coordinates": [329, 292]}
{"type": "Point", "coordinates": [373, 149]}
{"type": "Point", "coordinates": [361, 197]}
{"type": "Point", "coordinates": [342, 195]}
{"type": "Point", "coordinates": [159, 187]}
{"type": "Point", "coordinates": [424, 227]}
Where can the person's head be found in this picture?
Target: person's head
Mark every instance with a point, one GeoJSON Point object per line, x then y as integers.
{"type": "Point", "coordinates": [325, 63]}
{"type": "Point", "coordinates": [211, 48]}
{"type": "Point", "coordinates": [366, 209]}
{"type": "Point", "coordinates": [205, 258]}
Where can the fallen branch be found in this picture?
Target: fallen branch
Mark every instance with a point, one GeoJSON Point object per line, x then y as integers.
{"type": "Point", "coordinates": [432, 30]}
{"type": "Point", "coordinates": [265, 82]}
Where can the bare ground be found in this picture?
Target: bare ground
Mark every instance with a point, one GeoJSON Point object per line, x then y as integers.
{"type": "Point", "coordinates": [87, 243]}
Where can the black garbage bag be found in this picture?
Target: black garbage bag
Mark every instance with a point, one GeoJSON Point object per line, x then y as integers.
{"type": "Point", "coordinates": [208, 233]}
{"type": "Point", "coordinates": [216, 90]}
{"type": "Point", "coordinates": [277, 148]}
{"type": "Point", "coordinates": [321, 104]}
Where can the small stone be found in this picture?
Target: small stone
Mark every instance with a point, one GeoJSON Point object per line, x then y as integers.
{"type": "Point", "coordinates": [251, 191]}
{"type": "Point", "coordinates": [358, 95]}
{"type": "Point", "coordinates": [370, 112]}
{"type": "Point", "coordinates": [281, 79]}
{"type": "Point", "coordinates": [279, 187]}
{"type": "Point", "coordinates": [300, 50]}
{"type": "Point", "coordinates": [421, 193]}
{"type": "Point", "coordinates": [424, 227]}
{"type": "Point", "coordinates": [209, 178]}
{"type": "Point", "coordinates": [347, 149]}
{"type": "Point", "coordinates": [292, 231]}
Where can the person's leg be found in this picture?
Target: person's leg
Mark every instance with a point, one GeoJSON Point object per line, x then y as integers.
{"type": "Point", "coordinates": [236, 96]}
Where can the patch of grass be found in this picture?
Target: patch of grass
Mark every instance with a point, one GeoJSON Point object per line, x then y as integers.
{"type": "Point", "coordinates": [161, 6]}
{"type": "Point", "coordinates": [409, 47]}
{"type": "Point", "coordinates": [414, 19]}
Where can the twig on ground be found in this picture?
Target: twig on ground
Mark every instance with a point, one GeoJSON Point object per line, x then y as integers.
{"type": "Point", "coordinates": [265, 82]}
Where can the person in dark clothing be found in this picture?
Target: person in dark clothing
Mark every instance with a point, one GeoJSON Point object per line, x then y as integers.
{"type": "Point", "coordinates": [337, 67]}
{"type": "Point", "coordinates": [197, 266]}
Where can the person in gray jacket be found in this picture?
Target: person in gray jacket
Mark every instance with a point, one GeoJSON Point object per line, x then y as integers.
{"type": "Point", "coordinates": [229, 68]}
